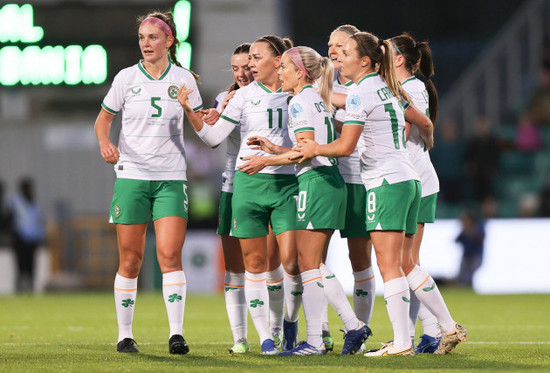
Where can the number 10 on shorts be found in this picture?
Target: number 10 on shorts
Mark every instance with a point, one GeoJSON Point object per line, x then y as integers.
{"type": "Point", "coordinates": [301, 208]}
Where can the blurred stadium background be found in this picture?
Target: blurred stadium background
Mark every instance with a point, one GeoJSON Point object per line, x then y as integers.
{"type": "Point", "coordinates": [492, 153]}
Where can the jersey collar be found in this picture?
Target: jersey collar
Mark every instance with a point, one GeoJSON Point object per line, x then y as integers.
{"type": "Point", "coordinates": [367, 76]}
{"type": "Point", "coordinates": [142, 68]}
{"type": "Point", "coordinates": [304, 87]}
{"type": "Point", "coordinates": [408, 80]}
{"type": "Point", "coordinates": [340, 82]}
{"type": "Point", "coordinates": [269, 90]}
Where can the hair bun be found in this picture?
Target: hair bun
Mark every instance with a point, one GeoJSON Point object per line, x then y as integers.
{"type": "Point", "coordinates": [380, 42]}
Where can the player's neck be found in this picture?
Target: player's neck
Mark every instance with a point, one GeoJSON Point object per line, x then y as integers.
{"type": "Point", "coordinates": [402, 74]}
{"type": "Point", "coordinates": [361, 74]}
{"type": "Point", "coordinates": [343, 79]}
{"type": "Point", "coordinates": [157, 68]}
{"type": "Point", "coordinates": [272, 84]}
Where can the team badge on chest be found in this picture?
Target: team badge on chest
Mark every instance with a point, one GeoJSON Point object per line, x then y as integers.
{"type": "Point", "coordinates": [173, 91]}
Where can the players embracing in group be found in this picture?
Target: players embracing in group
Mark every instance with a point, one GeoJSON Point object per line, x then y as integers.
{"type": "Point", "coordinates": [282, 111]}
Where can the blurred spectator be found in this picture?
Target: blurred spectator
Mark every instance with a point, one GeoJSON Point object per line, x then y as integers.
{"type": "Point", "coordinates": [448, 159]}
{"type": "Point", "coordinates": [28, 231]}
{"type": "Point", "coordinates": [539, 105]}
{"type": "Point", "coordinates": [528, 136]}
{"type": "Point", "coordinates": [489, 208]}
{"type": "Point", "coordinates": [482, 155]}
{"type": "Point", "coordinates": [472, 239]}
{"type": "Point", "coordinates": [528, 205]}
{"type": "Point", "coordinates": [544, 200]}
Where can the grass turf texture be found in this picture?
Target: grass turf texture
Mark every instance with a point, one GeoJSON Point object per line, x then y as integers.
{"type": "Point", "coordinates": [75, 332]}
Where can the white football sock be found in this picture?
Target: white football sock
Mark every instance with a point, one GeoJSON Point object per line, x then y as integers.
{"type": "Point", "coordinates": [125, 298]}
{"type": "Point", "coordinates": [338, 300]}
{"type": "Point", "coordinates": [429, 321]}
{"type": "Point", "coordinates": [275, 286]}
{"type": "Point", "coordinates": [363, 294]}
{"type": "Point", "coordinates": [314, 302]}
{"type": "Point", "coordinates": [397, 296]}
{"type": "Point", "coordinates": [413, 313]}
{"type": "Point", "coordinates": [235, 304]}
{"type": "Point", "coordinates": [174, 290]}
{"type": "Point", "coordinates": [427, 292]}
{"type": "Point", "coordinates": [257, 301]}
{"type": "Point", "coordinates": [293, 296]}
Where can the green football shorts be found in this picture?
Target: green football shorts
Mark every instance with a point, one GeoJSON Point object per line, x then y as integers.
{"type": "Point", "coordinates": [261, 199]}
{"type": "Point", "coordinates": [426, 213]}
{"type": "Point", "coordinates": [321, 200]}
{"type": "Point", "coordinates": [356, 215]}
{"type": "Point", "coordinates": [394, 207]}
{"type": "Point", "coordinates": [224, 213]}
{"type": "Point", "coordinates": [134, 201]}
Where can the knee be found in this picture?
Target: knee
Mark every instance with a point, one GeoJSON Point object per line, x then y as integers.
{"type": "Point", "coordinates": [169, 261]}
{"type": "Point", "coordinates": [291, 267]}
{"type": "Point", "coordinates": [130, 266]}
{"type": "Point", "coordinates": [255, 263]}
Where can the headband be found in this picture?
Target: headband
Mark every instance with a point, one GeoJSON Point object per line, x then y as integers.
{"type": "Point", "coordinates": [155, 21]}
{"type": "Point", "coordinates": [294, 55]}
{"type": "Point", "coordinates": [397, 49]}
{"type": "Point", "coordinates": [273, 45]}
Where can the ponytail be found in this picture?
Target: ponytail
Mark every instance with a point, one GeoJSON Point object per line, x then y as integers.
{"type": "Point", "coordinates": [418, 58]}
{"type": "Point", "coordinates": [325, 80]}
{"type": "Point", "coordinates": [380, 54]}
{"type": "Point", "coordinates": [387, 71]}
{"type": "Point", "coordinates": [426, 68]}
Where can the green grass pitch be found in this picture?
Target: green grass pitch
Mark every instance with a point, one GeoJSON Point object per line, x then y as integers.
{"type": "Point", "coordinates": [74, 332]}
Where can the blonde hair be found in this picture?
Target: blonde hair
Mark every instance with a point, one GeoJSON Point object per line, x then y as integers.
{"type": "Point", "coordinates": [380, 53]}
{"type": "Point", "coordinates": [319, 69]}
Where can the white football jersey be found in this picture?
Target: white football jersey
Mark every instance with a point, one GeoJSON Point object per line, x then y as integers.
{"type": "Point", "coordinates": [260, 112]}
{"type": "Point", "coordinates": [307, 112]}
{"type": "Point", "coordinates": [151, 138]}
{"type": "Point", "coordinates": [350, 167]}
{"type": "Point", "coordinates": [420, 157]}
{"type": "Point", "coordinates": [233, 142]}
{"type": "Point", "coordinates": [382, 145]}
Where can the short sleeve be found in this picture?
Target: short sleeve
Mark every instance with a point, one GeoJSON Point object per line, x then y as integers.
{"type": "Point", "coordinates": [114, 100]}
{"type": "Point", "coordinates": [195, 96]}
{"type": "Point", "coordinates": [355, 113]}
{"type": "Point", "coordinates": [300, 116]}
{"type": "Point", "coordinates": [233, 110]}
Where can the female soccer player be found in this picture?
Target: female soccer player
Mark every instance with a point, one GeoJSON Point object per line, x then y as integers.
{"type": "Point", "coordinates": [235, 302]}
{"type": "Point", "coordinates": [374, 116]}
{"type": "Point", "coordinates": [322, 197]}
{"type": "Point", "coordinates": [259, 109]}
{"type": "Point", "coordinates": [411, 57]}
{"type": "Point", "coordinates": [359, 243]}
{"type": "Point", "coordinates": [150, 166]}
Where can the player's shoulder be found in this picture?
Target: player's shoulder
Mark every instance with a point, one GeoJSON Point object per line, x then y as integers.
{"type": "Point", "coordinates": [413, 84]}
{"type": "Point", "coordinates": [182, 73]}
{"type": "Point", "coordinates": [127, 73]}
{"type": "Point", "coordinates": [221, 96]}
{"type": "Point", "coordinates": [251, 89]}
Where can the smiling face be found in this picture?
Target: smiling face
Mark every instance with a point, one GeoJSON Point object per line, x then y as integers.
{"type": "Point", "coordinates": [154, 43]}
{"type": "Point", "coordinates": [351, 64]}
{"type": "Point", "coordinates": [335, 43]}
{"type": "Point", "coordinates": [262, 63]}
{"type": "Point", "coordinates": [241, 71]}
{"type": "Point", "coordinates": [289, 74]}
